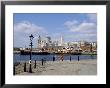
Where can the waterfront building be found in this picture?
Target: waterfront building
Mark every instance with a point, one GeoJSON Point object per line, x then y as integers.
{"type": "Point", "coordinates": [61, 41]}
{"type": "Point", "coordinates": [47, 44]}
{"type": "Point", "coordinates": [94, 44]}
{"type": "Point", "coordinates": [39, 41]}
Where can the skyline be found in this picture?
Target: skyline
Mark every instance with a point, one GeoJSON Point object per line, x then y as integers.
{"type": "Point", "coordinates": [72, 26]}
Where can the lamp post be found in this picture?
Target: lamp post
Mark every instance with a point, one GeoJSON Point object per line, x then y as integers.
{"type": "Point", "coordinates": [31, 38]}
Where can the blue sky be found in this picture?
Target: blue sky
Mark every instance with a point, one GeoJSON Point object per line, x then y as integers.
{"type": "Point", "coordinates": [72, 26]}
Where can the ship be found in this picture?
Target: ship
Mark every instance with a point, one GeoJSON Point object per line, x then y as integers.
{"type": "Point", "coordinates": [27, 52]}
{"type": "Point", "coordinates": [24, 52]}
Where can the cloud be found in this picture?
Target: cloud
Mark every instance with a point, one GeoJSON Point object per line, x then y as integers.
{"type": "Point", "coordinates": [84, 26]}
{"type": "Point", "coordinates": [75, 26]}
{"type": "Point", "coordinates": [27, 27]}
{"type": "Point", "coordinates": [22, 31]}
{"type": "Point", "coordinates": [82, 29]}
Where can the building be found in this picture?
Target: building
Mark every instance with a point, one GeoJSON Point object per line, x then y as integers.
{"type": "Point", "coordinates": [39, 42]}
{"type": "Point", "coordinates": [61, 41]}
{"type": "Point", "coordinates": [47, 44]}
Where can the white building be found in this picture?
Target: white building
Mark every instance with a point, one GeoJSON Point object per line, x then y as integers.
{"type": "Point", "coordinates": [61, 41]}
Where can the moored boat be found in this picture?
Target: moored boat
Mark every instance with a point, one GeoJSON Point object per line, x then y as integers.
{"type": "Point", "coordinates": [22, 52]}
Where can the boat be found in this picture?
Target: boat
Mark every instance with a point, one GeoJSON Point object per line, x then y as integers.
{"type": "Point", "coordinates": [27, 52]}
{"type": "Point", "coordinates": [22, 52]}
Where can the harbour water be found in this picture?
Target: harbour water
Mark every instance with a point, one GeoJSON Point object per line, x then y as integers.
{"type": "Point", "coordinates": [18, 57]}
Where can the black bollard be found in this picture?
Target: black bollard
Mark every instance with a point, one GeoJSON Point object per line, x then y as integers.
{"type": "Point", "coordinates": [53, 58]}
{"type": "Point", "coordinates": [35, 64]}
{"type": "Point", "coordinates": [25, 67]}
{"type": "Point", "coordinates": [78, 58]}
{"type": "Point", "coordinates": [62, 57]}
{"type": "Point", "coordinates": [42, 61]}
{"type": "Point", "coordinates": [70, 58]}
{"type": "Point", "coordinates": [14, 70]}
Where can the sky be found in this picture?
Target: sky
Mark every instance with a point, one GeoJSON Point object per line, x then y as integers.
{"type": "Point", "coordinates": [72, 26]}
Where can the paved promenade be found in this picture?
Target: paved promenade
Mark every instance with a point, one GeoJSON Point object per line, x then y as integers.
{"type": "Point", "coordinates": [66, 67]}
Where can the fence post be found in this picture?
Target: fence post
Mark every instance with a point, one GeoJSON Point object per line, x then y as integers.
{"type": "Point", "coordinates": [53, 58]}
{"type": "Point", "coordinates": [14, 70]}
{"type": "Point", "coordinates": [42, 61]}
{"type": "Point", "coordinates": [25, 67]}
{"type": "Point", "coordinates": [70, 58]}
{"type": "Point", "coordinates": [78, 58]}
{"type": "Point", "coordinates": [35, 64]}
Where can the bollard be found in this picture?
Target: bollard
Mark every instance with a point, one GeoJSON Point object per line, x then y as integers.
{"type": "Point", "coordinates": [14, 70]}
{"type": "Point", "coordinates": [35, 64]}
{"type": "Point", "coordinates": [25, 67]}
{"type": "Point", "coordinates": [78, 58]}
{"type": "Point", "coordinates": [42, 61]}
{"type": "Point", "coordinates": [62, 57]}
{"type": "Point", "coordinates": [70, 58]}
{"type": "Point", "coordinates": [30, 69]}
{"type": "Point", "coordinates": [53, 58]}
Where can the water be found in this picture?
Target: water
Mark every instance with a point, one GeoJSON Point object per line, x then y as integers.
{"type": "Point", "coordinates": [18, 57]}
